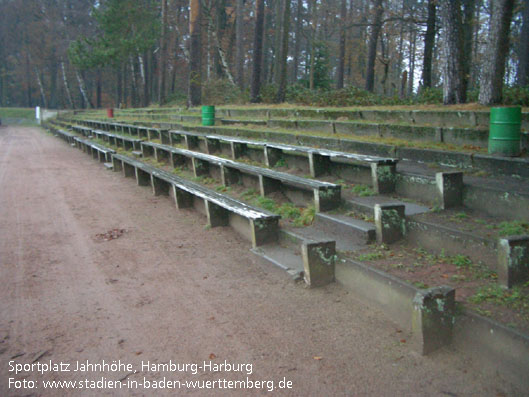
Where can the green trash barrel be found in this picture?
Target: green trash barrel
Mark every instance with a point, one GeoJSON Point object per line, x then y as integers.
{"type": "Point", "coordinates": [504, 133]}
{"type": "Point", "coordinates": [208, 115]}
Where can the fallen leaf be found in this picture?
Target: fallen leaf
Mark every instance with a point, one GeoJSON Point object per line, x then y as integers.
{"type": "Point", "coordinates": [403, 341]}
{"type": "Point", "coordinates": [212, 356]}
{"type": "Point", "coordinates": [317, 358]}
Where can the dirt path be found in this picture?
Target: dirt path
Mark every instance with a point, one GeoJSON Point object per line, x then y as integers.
{"type": "Point", "coordinates": [168, 289]}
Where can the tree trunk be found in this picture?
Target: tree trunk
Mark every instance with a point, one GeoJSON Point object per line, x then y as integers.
{"type": "Point", "coordinates": [98, 88]}
{"type": "Point", "coordinates": [491, 88]}
{"type": "Point", "coordinates": [163, 55]}
{"type": "Point", "coordinates": [67, 86]}
{"type": "Point", "coordinates": [523, 64]}
{"type": "Point", "coordinates": [282, 70]}
{"type": "Point", "coordinates": [82, 88]}
{"type": "Point", "coordinates": [220, 51]}
{"type": "Point", "coordinates": [376, 26]}
{"type": "Point", "coordinates": [239, 43]}
{"type": "Point", "coordinates": [146, 80]}
{"type": "Point", "coordinates": [41, 88]}
{"type": "Point", "coordinates": [341, 55]}
{"type": "Point", "coordinates": [429, 42]}
{"type": "Point", "coordinates": [278, 22]}
{"type": "Point", "coordinates": [119, 91]}
{"type": "Point", "coordinates": [195, 73]}
{"type": "Point", "coordinates": [297, 42]}
{"type": "Point", "coordinates": [257, 51]}
{"type": "Point", "coordinates": [468, 24]}
{"type": "Point", "coordinates": [452, 70]}
{"type": "Point", "coordinates": [411, 79]}
{"type": "Point", "coordinates": [313, 10]}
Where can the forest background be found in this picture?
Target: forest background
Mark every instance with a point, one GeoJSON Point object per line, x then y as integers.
{"type": "Point", "coordinates": [131, 53]}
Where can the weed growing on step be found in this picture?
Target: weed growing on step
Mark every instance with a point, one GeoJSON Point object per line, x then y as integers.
{"type": "Point", "coordinates": [250, 194]}
{"type": "Point", "coordinates": [513, 228]}
{"type": "Point", "coordinates": [514, 298]}
{"type": "Point", "coordinates": [362, 190]}
{"type": "Point", "coordinates": [223, 189]}
{"type": "Point", "coordinates": [205, 180]}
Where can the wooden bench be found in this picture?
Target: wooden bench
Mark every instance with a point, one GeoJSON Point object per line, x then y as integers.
{"type": "Point", "coordinates": [65, 135]}
{"type": "Point", "coordinates": [127, 143]}
{"type": "Point", "coordinates": [324, 195]}
{"type": "Point", "coordinates": [257, 225]}
{"type": "Point", "coordinates": [99, 152]}
{"type": "Point", "coordinates": [381, 170]}
{"type": "Point", "coordinates": [84, 131]}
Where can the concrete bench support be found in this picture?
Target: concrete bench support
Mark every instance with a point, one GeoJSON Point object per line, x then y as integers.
{"type": "Point", "coordinates": [513, 260]}
{"type": "Point", "coordinates": [182, 198]}
{"type": "Point", "coordinates": [268, 185]}
{"type": "Point", "coordinates": [117, 165]}
{"type": "Point", "coordinates": [200, 167]}
{"type": "Point", "coordinates": [433, 318]}
{"type": "Point", "coordinates": [165, 137]}
{"type": "Point", "coordinates": [319, 164]}
{"type": "Point", "coordinates": [212, 146]}
{"type": "Point", "coordinates": [161, 155]}
{"type": "Point", "coordinates": [191, 142]}
{"type": "Point", "coordinates": [383, 177]}
{"type": "Point", "coordinates": [449, 188]}
{"type": "Point", "coordinates": [237, 149]}
{"type": "Point", "coordinates": [326, 199]}
{"type": "Point", "coordinates": [217, 216]}
{"type": "Point", "coordinates": [272, 156]}
{"type": "Point", "coordinates": [318, 262]}
{"type": "Point", "coordinates": [129, 170]}
{"type": "Point", "coordinates": [390, 222]}
{"type": "Point", "coordinates": [142, 178]}
{"type": "Point", "coordinates": [159, 186]}
{"type": "Point", "coordinates": [229, 176]}
{"type": "Point", "coordinates": [264, 231]}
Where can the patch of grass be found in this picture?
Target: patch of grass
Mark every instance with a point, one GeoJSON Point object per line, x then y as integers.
{"type": "Point", "coordinates": [371, 256]}
{"type": "Point", "coordinates": [461, 261]}
{"type": "Point", "coordinates": [250, 194]}
{"type": "Point", "coordinates": [266, 203]}
{"type": "Point", "coordinates": [306, 218]}
{"type": "Point", "coordinates": [362, 190]}
{"type": "Point", "coordinates": [513, 298]}
{"type": "Point", "coordinates": [420, 285]}
{"type": "Point", "coordinates": [281, 163]}
{"type": "Point", "coordinates": [513, 228]}
{"type": "Point", "coordinates": [223, 189]}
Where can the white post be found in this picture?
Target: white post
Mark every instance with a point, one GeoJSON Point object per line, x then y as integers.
{"type": "Point", "coordinates": [37, 114]}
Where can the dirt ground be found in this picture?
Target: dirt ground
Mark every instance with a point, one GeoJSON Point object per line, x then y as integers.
{"type": "Point", "coordinates": [169, 290]}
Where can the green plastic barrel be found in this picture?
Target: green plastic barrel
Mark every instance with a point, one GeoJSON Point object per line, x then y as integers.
{"type": "Point", "coordinates": [504, 133]}
{"type": "Point", "coordinates": [208, 115]}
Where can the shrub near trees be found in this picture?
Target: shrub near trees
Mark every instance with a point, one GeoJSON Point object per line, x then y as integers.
{"type": "Point", "coordinates": [72, 53]}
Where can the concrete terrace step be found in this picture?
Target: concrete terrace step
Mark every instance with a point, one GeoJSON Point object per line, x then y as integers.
{"type": "Point", "coordinates": [349, 233]}
{"type": "Point", "coordinates": [366, 205]}
{"type": "Point", "coordinates": [283, 257]}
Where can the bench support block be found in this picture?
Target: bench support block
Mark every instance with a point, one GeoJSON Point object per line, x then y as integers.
{"type": "Point", "coordinates": [272, 156]}
{"type": "Point", "coordinates": [200, 167]}
{"type": "Point", "coordinates": [191, 142]}
{"type": "Point", "coordinates": [182, 198]}
{"type": "Point", "coordinates": [264, 231]}
{"type": "Point", "coordinates": [268, 185]}
{"type": "Point", "coordinates": [159, 186]}
{"type": "Point", "coordinates": [212, 146]}
{"type": "Point", "coordinates": [390, 222]}
{"type": "Point", "coordinates": [449, 189]}
{"type": "Point", "coordinates": [318, 164]}
{"type": "Point", "coordinates": [128, 170]}
{"type": "Point", "coordinates": [326, 199]}
{"type": "Point", "coordinates": [142, 178]}
{"type": "Point", "coordinates": [229, 176]}
{"type": "Point", "coordinates": [433, 318]}
{"type": "Point", "coordinates": [383, 177]}
{"type": "Point", "coordinates": [237, 149]}
{"type": "Point", "coordinates": [513, 260]}
{"type": "Point", "coordinates": [117, 165]}
{"type": "Point", "coordinates": [217, 216]}
{"type": "Point", "coordinates": [318, 262]}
